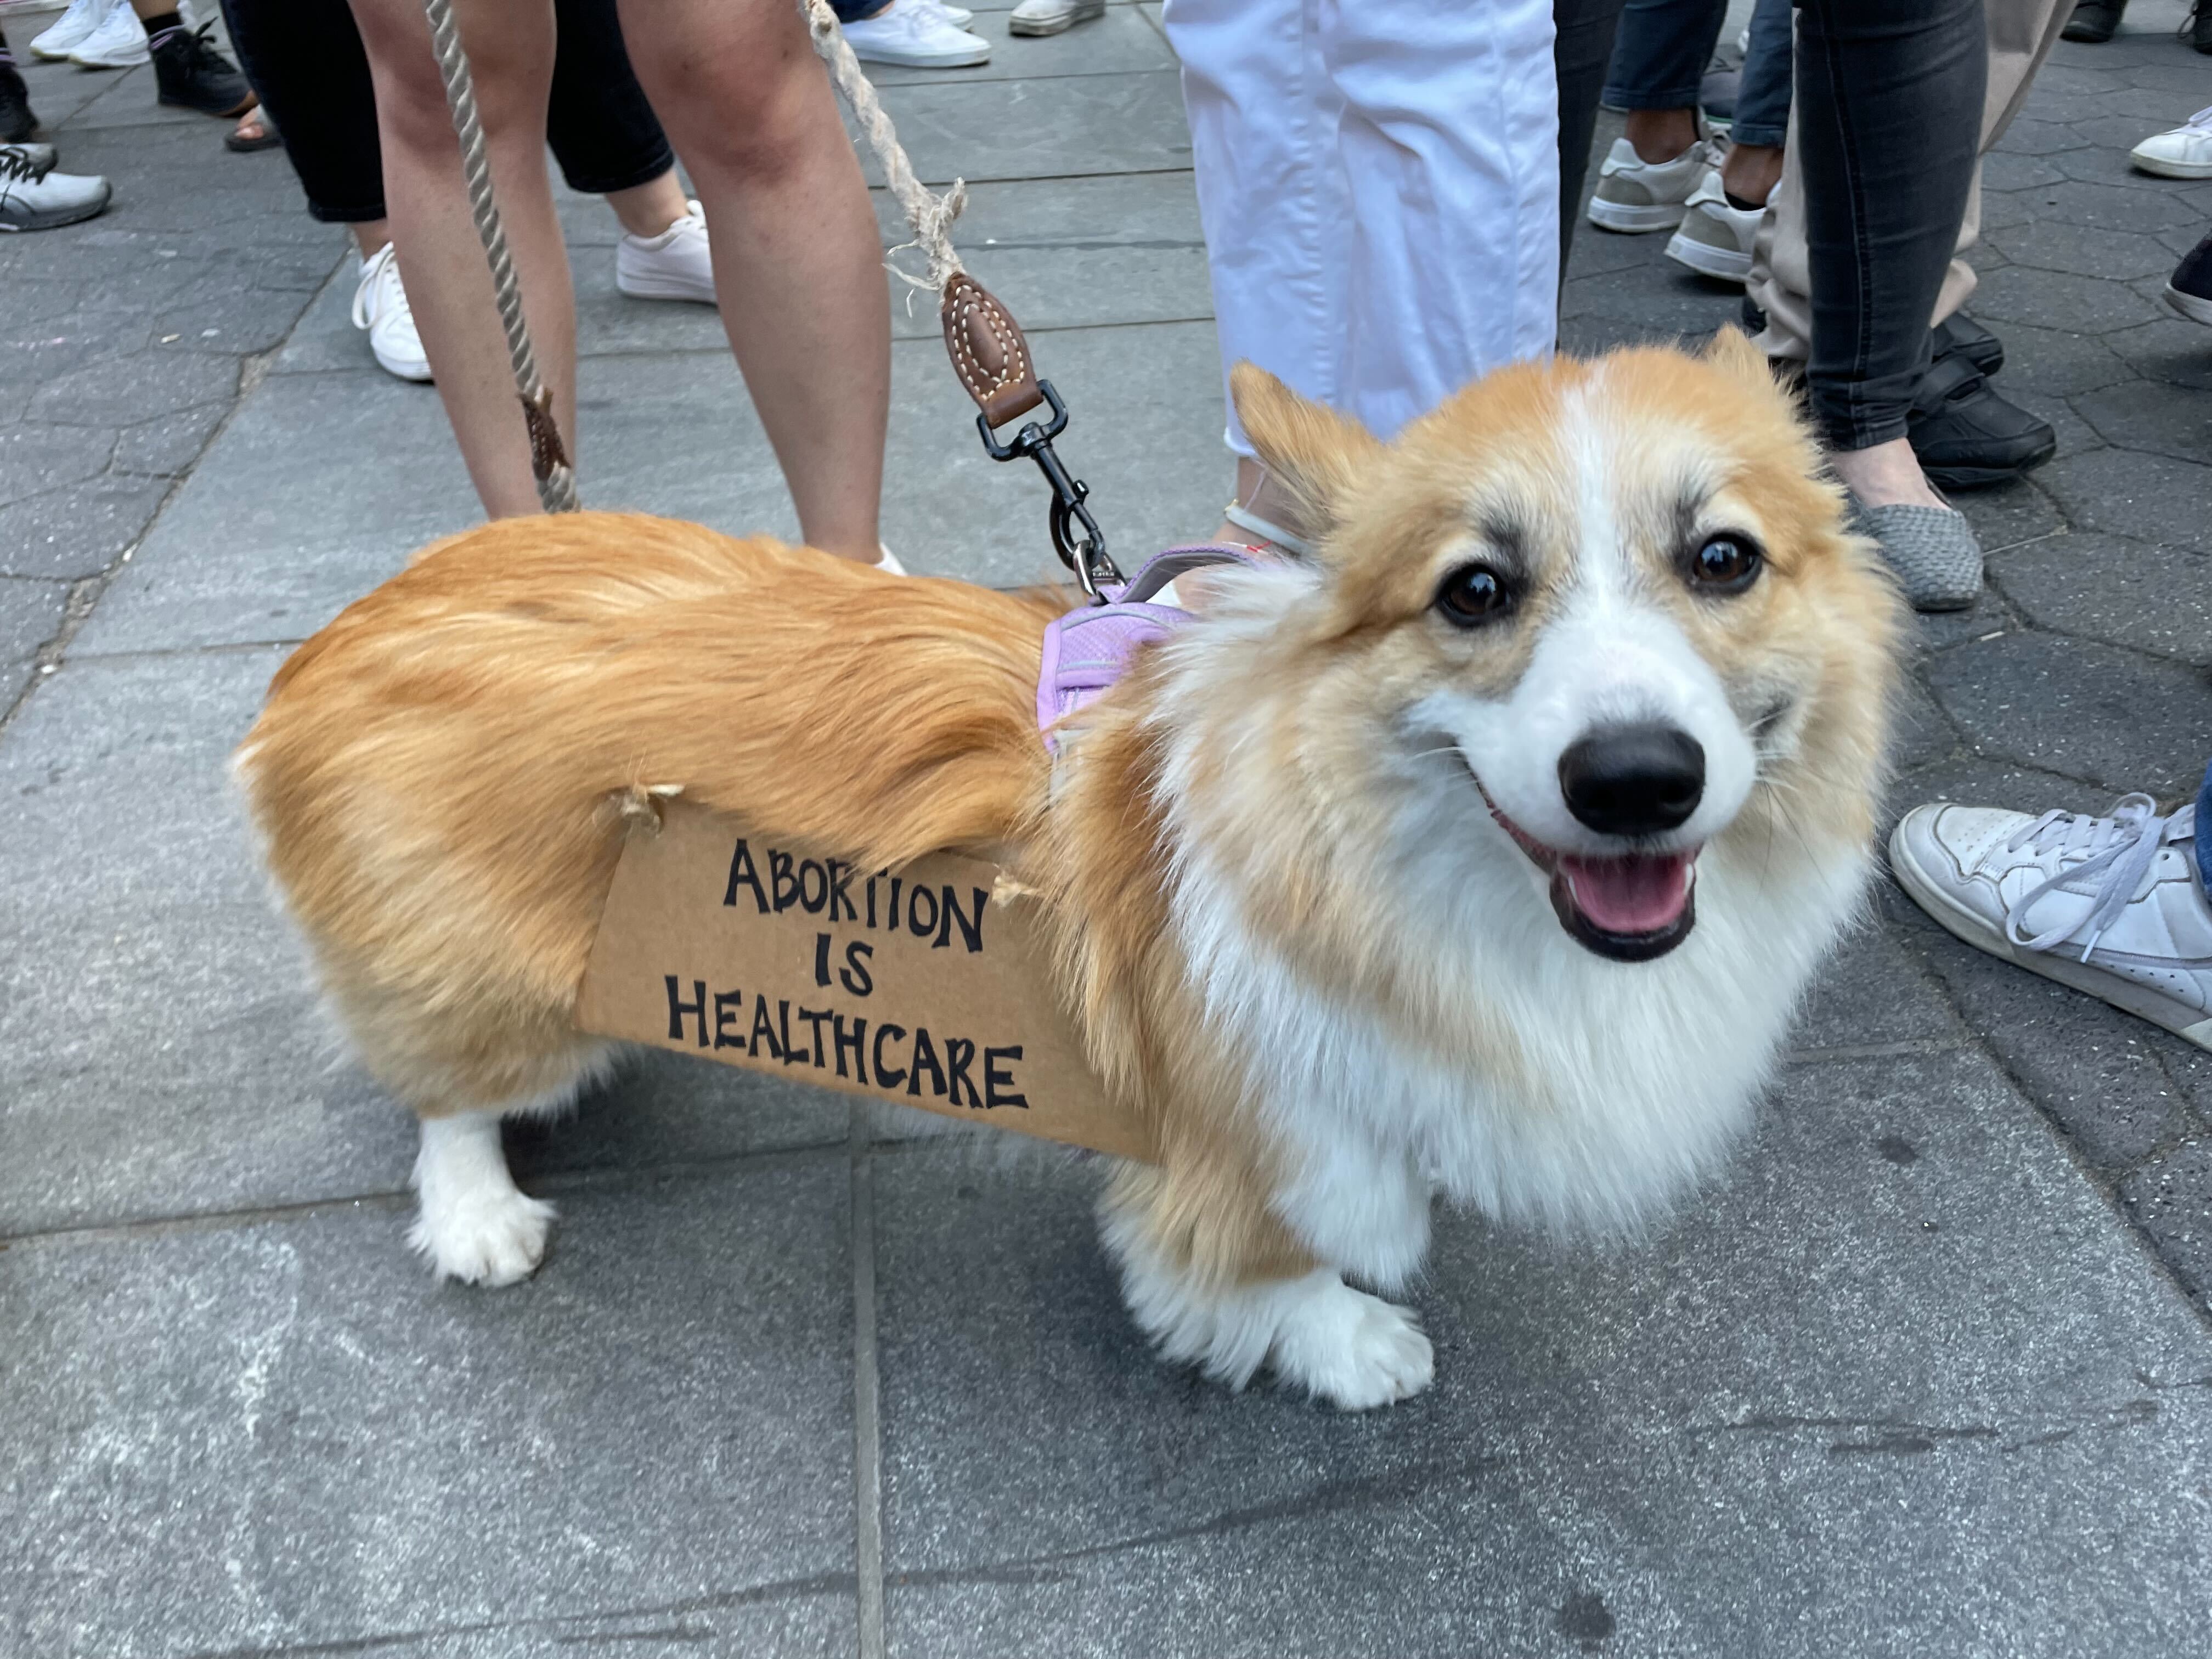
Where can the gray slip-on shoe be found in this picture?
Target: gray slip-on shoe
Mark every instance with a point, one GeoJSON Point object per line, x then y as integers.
{"type": "Point", "coordinates": [1931, 550]}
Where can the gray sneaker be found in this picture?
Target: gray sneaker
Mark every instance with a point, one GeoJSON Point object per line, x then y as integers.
{"type": "Point", "coordinates": [1633, 194]}
{"type": "Point", "coordinates": [1715, 238]}
{"type": "Point", "coordinates": [34, 197]}
{"type": "Point", "coordinates": [1931, 550]}
{"type": "Point", "coordinates": [2110, 906]}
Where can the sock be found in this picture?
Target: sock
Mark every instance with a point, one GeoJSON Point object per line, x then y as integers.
{"type": "Point", "coordinates": [156, 27]}
{"type": "Point", "coordinates": [1742, 206]}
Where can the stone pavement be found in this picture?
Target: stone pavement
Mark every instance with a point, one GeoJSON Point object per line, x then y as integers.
{"type": "Point", "coordinates": [1930, 1373]}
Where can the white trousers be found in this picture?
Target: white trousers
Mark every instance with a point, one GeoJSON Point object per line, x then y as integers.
{"type": "Point", "coordinates": [1379, 184]}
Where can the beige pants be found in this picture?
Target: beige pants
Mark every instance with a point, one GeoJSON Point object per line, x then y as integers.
{"type": "Point", "coordinates": [2021, 33]}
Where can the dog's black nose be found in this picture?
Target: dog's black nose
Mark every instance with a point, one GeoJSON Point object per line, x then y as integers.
{"type": "Point", "coordinates": [1633, 780]}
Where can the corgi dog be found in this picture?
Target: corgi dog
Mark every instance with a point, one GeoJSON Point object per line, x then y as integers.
{"type": "Point", "coordinates": [1484, 853]}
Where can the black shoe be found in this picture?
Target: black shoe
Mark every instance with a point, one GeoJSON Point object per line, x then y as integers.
{"type": "Point", "coordinates": [192, 73]}
{"type": "Point", "coordinates": [2188, 290]}
{"type": "Point", "coordinates": [1966, 436]}
{"type": "Point", "coordinates": [17, 124]}
{"type": "Point", "coordinates": [1961, 336]}
{"type": "Point", "coordinates": [2093, 20]}
{"type": "Point", "coordinates": [2196, 28]}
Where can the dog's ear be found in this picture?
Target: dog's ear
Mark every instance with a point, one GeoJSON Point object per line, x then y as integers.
{"type": "Point", "coordinates": [1730, 351]}
{"type": "Point", "coordinates": [1314, 452]}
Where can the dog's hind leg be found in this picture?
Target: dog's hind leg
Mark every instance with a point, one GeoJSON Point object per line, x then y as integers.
{"type": "Point", "coordinates": [463, 1064]}
{"type": "Point", "coordinates": [1218, 1282]}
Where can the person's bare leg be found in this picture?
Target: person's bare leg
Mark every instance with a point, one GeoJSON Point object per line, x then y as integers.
{"type": "Point", "coordinates": [369, 235]}
{"type": "Point", "coordinates": [1660, 135]}
{"type": "Point", "coordinates": [510, 48]}
{"type": "Point", "coordinates": [1750, 172]}
{"type": "Point", "coordinates": [648, 208]}
{"type": "Point", "coordinates": [1249, 473]}
{"type": "Point", "coordinates": [798, 258]}
{"type": "Point", "coordinates": [1884, 475]}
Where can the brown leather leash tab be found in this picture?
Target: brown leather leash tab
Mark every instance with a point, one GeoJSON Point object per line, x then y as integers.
{"type": "Point", "coordinates": [987, 350]}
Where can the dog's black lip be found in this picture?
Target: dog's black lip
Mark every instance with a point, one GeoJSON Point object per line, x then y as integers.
{"type": "Point", "coordinates": [1617, 947]}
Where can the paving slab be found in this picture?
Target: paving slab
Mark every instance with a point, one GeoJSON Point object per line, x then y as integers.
{"type": "Point", "coordinates": [244, 555]}
{"type": "Point", "coordinates": [1774, 1429]}
{"type": "Point", "coordinates": [2139, 594]}
{"type": "Point", "coordinates": [2147, 496]}
{"type": "Point", "coordinates": [2086, 710]}
{"type": "Point", "coordinates": [281, 1438]}
{"type": "Point", "coordinates": [1067, 126]}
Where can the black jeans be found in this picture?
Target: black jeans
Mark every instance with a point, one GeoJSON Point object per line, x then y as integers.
{"type": "Point", "coordinates": [304, 58]}
{"type": "Point", "coordinates": [1581, 47]}
{"type": "Point", "coordinates": [1889, 122]}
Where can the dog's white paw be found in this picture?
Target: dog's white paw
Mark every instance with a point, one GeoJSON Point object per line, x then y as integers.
{"type": "Point", "coordinates": [1353, 1349]}
{"type": "Point", "coordinates": [484, 1238]}
{"type": "Point", "coordinates": [476, 1224]}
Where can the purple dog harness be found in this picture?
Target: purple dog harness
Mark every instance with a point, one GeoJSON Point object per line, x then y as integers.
{"type": "Point", "coordinates": [1090, 647]}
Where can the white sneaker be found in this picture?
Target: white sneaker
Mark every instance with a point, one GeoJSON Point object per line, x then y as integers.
{"type": "Point", "coordinates": [1715, 238]}
{"type": "Point", "coordinates": [2183, 153]}
{"type": "Point", "coordinates": [379, 305]}
{"type": "Point", "coordinates": [917, 35]}
{"type": "Point", "coordinates": [2110, 906]}
{"type": "Point", "coordinates": [673, 266]}
{"type": "Point", "coordinates": [959, 16]}
{"type": "Point", "coordinates": [1052, 16]}
{"type": "Point", "coordinates": [119, 42]}
{"type": "Point", "coordinates": [1634, 196]}
{"type": "Point", "coordinates": [34, 197]}
{"type": "Point", "coordinates": [73, 28]}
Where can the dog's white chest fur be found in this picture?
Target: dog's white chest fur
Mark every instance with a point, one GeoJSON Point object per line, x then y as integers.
{"type": "Point", "coordinates": [1579, 1094]}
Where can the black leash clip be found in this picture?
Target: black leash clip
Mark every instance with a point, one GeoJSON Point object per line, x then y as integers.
{"type": "Point", "coordinates": [1085, 555]}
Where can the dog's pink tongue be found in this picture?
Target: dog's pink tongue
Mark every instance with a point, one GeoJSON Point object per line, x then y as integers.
{"type": "Point", "coordinates": [1639, 894]}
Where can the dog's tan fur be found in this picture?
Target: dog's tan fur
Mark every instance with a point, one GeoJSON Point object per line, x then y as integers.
{"type": "Point", "coordinates": [441, 775]}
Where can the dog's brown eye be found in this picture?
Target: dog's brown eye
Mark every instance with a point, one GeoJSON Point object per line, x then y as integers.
{"type": "Point", "coordinates": [1725, 564]}
{"type": "Point", "coordinates": [1474, 595]}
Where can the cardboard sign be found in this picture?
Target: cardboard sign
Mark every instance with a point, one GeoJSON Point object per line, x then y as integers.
{"type": "Point", "coordinates": [927, 986]}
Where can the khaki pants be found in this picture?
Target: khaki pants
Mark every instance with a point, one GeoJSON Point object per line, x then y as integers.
{"type": "Point", "coordinates": [2021, 34]}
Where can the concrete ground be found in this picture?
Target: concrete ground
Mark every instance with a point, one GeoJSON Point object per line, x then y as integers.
{"type": "Point", "coordinates": [1929, 1373]}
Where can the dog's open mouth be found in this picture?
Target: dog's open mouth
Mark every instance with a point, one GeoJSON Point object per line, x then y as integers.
{"type": "Point", "coordinates": [1632, 906]}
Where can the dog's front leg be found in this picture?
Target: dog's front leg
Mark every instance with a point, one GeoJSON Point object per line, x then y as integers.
{"type": "Point", "coordinates": [1218, 1281]}
{"type": "Point", "coordinates": [476, 1224]}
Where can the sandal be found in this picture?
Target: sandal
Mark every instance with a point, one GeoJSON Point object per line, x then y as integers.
{"type": "Point", "coordinates": [254, 131]}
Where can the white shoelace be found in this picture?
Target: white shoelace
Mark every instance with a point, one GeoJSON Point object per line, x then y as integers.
{"type": "Point", "coordinates": [2200, 122]}
{"type": "Point", "coordinates": [372, 278]}
{"type": "Point", "coordinates": [2120, 847]}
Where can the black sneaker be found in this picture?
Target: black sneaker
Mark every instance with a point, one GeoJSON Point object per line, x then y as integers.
{"type": "Point", "coordinates": [2093, 20]}
{"type": "Point", "coordinates": [2188, 290]}
{"type": "Point", "coordinates": [1961, 336]}
{"type": "Point", "coordinates": [17, 124]}
{"type": "Point", "coordinates": [2196, 28]}
{"type": "Point", "coordinates": [193, 75]}
{"type": "Point", "coordinates": [1966, 436]}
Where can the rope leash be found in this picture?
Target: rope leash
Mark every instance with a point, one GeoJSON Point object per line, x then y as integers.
{"type": "Point", "coordinates": [548, 458]}
{"type": "Point", "coordinates": [928, 215]}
